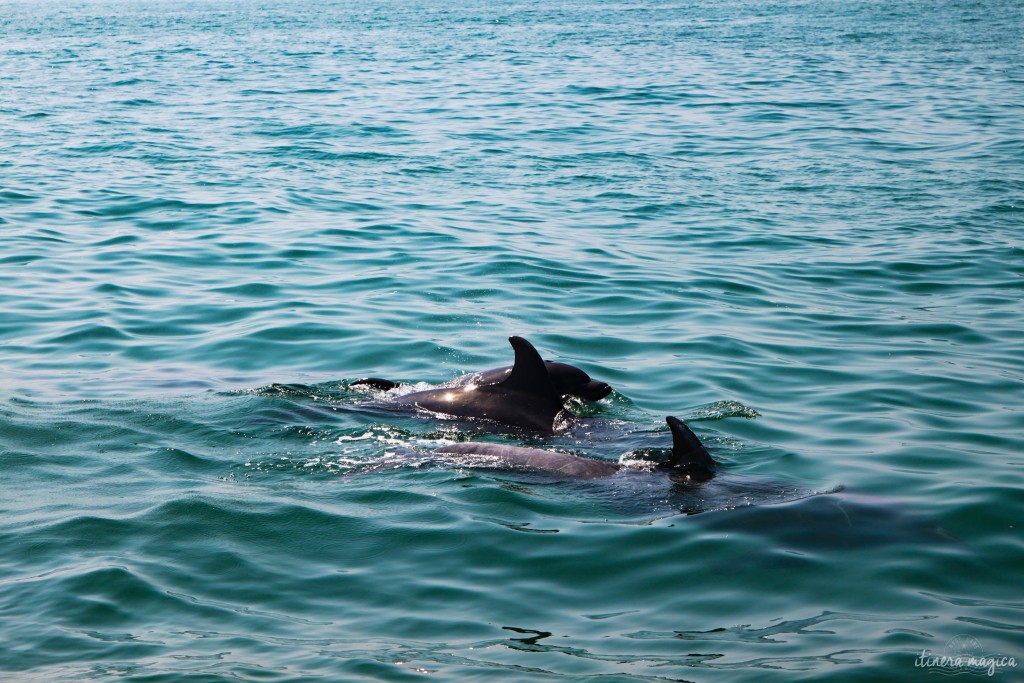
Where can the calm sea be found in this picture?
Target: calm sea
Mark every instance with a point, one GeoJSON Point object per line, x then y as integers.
{"type": "Point", "coordinates": [798, 226]}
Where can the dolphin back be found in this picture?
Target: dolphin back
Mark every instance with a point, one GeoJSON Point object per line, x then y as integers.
{"type": "Point", "coordinates": [551, 462]}
{"type": "Point", "coordinates": [526, 398]}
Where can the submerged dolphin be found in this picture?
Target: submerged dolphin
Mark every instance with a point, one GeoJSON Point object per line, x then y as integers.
{"type": "Point", "coordinates": [690, 462]}
{"type": "Point", "coordinates": [526, 397]}
{"type": "Point", "coordinates": [568, 380]}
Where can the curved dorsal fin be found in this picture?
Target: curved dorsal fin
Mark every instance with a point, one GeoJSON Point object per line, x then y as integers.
{"type": "Point", "coordinates": [529, 373]}
{"type": "Point", "coordinates": [527, 397]}
{"type": "Point", "coordinates": [688, 453]}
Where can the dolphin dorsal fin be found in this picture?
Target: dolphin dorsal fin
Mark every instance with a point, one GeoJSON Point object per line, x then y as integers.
{"type": "Point", "coordinates": [529, 373]}
{"type": "Point", "coordinates": [688, 453]}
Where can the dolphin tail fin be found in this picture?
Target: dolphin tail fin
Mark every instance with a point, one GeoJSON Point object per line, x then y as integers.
{"type": "Point", "coordinates": [689, 457]}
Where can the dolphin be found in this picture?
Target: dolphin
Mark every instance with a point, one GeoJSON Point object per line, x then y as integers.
{"type": "Point", "coordinates": [569, 380]}
{"type": "Point", "coordinates": [525, 397]}
{"type": "Point", "coordinates": [690, 462]}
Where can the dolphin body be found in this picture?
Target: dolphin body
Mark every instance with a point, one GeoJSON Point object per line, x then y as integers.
{"type": "Point", "coordinates": [690, 462]}
{"type": "Point", "coordinates": [569, 380]}
{"type": "Point", "coordinates": [525, 398]}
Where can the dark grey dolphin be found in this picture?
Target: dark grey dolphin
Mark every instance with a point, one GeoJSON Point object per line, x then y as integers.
{"type": "Point", "coordinates": [525, 398]}
{"type": "Point", "coordinates": [568, 380]}
{"type": "Point", "coordinates": [690, 462]}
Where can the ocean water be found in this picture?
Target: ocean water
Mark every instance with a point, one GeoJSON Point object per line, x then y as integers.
{"type": "Point", "coordinates": [798, 226]}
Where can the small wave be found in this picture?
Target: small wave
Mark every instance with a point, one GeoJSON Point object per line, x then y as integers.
{"type": "Point", "coordinates": [769, 634]}
{"type": "Point", "coordinates": [127, 82]}
{"type": "Point", "coordinates": [721, 410]}
{"type": "Point", "coordinates": [15, 197]}
{"type": "Point", "coordinates": [90, 335]}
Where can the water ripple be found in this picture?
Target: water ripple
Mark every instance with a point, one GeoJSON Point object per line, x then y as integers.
{"type": "Point", "coordinates": [797, 226]}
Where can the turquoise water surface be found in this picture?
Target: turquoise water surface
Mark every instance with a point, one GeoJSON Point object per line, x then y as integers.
{"type": "Point", "coordinates": [799, 226]}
